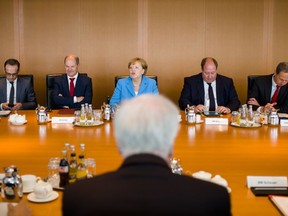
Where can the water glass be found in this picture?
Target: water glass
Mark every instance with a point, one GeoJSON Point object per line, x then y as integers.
{"type": "Point", "coordinates": [53, 171]}
{"type": "Point", "coordinates": [91, 167]}
{"type": "Point", "coordinates": [77, 116]}
{"type": "Point", "coordinates": [97, 115]}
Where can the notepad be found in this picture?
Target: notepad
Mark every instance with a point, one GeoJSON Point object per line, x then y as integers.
{"type": "Point", "coordinates": [281, 203]}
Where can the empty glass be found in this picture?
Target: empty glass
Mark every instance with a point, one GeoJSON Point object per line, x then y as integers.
{"type": "Point", "coordinates": [53, 171]}
{"type": "Point", "coordinates": [91, 167]}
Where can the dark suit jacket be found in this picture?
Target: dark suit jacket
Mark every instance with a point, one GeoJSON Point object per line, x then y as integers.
{"type": "Point", "coordinates": [144, 185]}
{"type": "Point", "coordinates": [261, 91]}
{"type": "Point", "coordinates": [193, 92]}
{"type": "Point", "coordinates": [24, 93]}
{"type": "Point", "coordinates": [83, 87]}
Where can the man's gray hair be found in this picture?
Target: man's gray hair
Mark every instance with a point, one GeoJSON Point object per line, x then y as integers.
{"type": "Point", "coordinates": [146, 124]}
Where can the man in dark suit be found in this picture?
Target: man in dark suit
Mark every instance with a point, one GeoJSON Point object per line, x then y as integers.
{"type": "Point", "coordinates": [196, 91]}
{"type": "Point", "coordinates": [271, 91]}
{"type": "Point", "coordinates": [145, 128]}
{"type": "Point", "coordinates": [16, 92]}
{"type": "Point", "coordinates": [72, 89]}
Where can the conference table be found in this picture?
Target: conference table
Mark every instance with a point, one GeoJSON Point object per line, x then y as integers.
{"type": "Point", "coordinates": [232, 152]}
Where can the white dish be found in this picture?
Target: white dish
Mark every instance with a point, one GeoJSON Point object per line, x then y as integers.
{"type": "Point", "coordinates": [18, 123]}
{"type": "Point", "coordinates": [97, 123]}
{"type": "Point", "coordinates": [54, 195]}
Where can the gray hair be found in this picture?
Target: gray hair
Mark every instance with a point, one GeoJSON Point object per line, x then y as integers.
{"type": "Point", "coordinates": [146, 124]}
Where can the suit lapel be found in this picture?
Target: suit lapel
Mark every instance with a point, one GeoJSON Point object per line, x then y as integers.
{"type": "Point", "coordinates": [219, 91]}
{"type": "Point", "coordinates": [129, 86]}
{"type": "Point", "coordinates": [143, 85]}
{"type": "Point", "coordinates": [65, 85]}
{"type": "Point", "coordinates": [19, 89]}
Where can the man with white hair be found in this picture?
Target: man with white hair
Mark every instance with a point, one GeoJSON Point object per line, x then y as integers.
{"type": "Point", "coordinates": [145, 130]}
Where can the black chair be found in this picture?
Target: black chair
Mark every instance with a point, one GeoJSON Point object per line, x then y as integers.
{"type": "Point", "coordinates": [251, 79]}
{"type": "Point", "coordinates": [125, 76]}
{"type": "Point", "coordinates": [49, 89]}
{"type": "Point", "coordinates": [28, 77]}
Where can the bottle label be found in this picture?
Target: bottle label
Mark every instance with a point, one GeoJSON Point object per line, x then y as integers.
{"type": "Point", "coordinates": [64, 169]}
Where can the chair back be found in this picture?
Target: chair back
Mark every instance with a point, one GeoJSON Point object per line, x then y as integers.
{"type": "Point", "coordinates": [49, 89]}
{"type": "Point", "coordinates": [251, 79]}
{"type": "Point", "coordinates": [125, 76]}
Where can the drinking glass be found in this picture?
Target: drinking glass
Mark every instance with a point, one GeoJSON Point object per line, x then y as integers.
{"type": "Point", "coordinates": [53, 171]}
{"type": "Point", "coordinates": [91, 167]}
{"type": "Point", "coordinates": [97, 115]}
{"type": "Point", "coordinates": [77, 116]}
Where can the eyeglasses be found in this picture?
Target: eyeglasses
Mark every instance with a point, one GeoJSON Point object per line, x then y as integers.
{"type": "Point", "coordinates": [11, 75]}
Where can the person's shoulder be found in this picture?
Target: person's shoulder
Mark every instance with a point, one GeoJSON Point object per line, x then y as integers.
{"type": "Point", "coordinates": [147, 79]}
{"type": "Point", "coordinates": [203, 185]}
{"type": "Point", "coordinates": [193, 77]}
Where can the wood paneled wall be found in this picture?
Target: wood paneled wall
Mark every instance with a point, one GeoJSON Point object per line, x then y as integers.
{"type": "Point", "coordinates": [246, 37]}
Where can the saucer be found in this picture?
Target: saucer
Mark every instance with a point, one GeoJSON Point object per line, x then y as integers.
{"type": "Point", "coordinates": [31, 197]}
{"type": "Point", "coordinates": [18, 123]}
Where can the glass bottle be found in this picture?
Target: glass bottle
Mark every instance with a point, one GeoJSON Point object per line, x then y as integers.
{"type": "Point", "coordinates": [64, 170]}
{"type": "Point", "coordinates": [81, 167]}
{"type": "Point", "coordinates": [82, 115]}
{"type": "Point", "coordinates": [72, 166]}
{"type": "Point", "coordinates": [67, 148]}
{"type": "Point", "coordinates": [243, 116]}
{"type": "Point", "coordinates": [250, 116]}
{"type": "Point", "coordinates": [89, 115]}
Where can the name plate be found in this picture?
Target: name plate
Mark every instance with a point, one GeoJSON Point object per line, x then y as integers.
{"type": "Point", "coordinates": [216, 121]}
{"type": "Point", "coordinates": [267, 181]}
{"type": "Point", "coordinates": [63, 120]}
{"type": "Point", "coordinates": [284, 122]}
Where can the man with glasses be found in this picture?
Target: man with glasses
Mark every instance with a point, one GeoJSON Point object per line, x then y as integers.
{"type": "Point", "coordinates": [271, 91]}
{"type": "Point", "coordinates": [209, 91]}
{"type": "Point", "coordinates": [16, 92]}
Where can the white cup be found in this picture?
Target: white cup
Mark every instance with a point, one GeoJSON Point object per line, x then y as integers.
{"type": "Point", "coordinates": [29, 182]}
{"type": "Point", "coordinates": [42, 189]}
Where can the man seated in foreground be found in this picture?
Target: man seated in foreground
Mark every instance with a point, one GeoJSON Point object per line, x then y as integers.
{"type": "Point", "coordinates": [145, 129]}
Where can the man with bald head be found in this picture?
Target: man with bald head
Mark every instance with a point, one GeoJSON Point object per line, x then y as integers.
{"type": "Point", "coordinates": [209, 90]}
{"type": "Point", "coordinates": [73, 88]}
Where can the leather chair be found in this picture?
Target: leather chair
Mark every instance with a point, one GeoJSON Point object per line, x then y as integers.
{"type": "Point", "coordinates": [125, 76]}
{"type": "Point", "coordinates": [49, 89]}
{"type": "Point", "coordinates": [251, 79]}
{"type": "Point", "coordinates": [24, 76]}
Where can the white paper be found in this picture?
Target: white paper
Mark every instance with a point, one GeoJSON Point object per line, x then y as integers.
{"type": "Point", "coordinates": [267, 181]}
{"type": "Point", "coordinates": [284, 122]}
{"type": "Point", "coordinates": [63, 120]}
{"type": "Point", "coordinates": [216, 121]}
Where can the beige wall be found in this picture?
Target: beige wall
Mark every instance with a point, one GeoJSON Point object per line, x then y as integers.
{"type": "Point", "coordinates": [246, 37]}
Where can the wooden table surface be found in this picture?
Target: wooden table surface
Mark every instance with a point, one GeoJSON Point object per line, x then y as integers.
{"type": "Point", "coordinates": [232, 152]}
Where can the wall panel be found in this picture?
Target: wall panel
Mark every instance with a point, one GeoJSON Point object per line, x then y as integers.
{"type": "Point", "coordinates": [246, 37]}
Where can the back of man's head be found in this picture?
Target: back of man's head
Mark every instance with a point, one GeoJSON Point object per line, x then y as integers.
{"type": "Point", "coordinates": [146, 124]}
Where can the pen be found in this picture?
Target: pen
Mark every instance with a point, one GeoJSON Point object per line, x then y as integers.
{"type": "Point", "coordinates": [271, 188]}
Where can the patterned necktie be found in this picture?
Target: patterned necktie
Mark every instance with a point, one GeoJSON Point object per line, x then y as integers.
{"type": "Point", "coordinates": [72, 86]}
{"type": "Point", "coordinates": [11, 97]}
{"type": "Point", "coordinates": [211, 98]}
{"type": "Point", "coordinates": [274, 97]}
